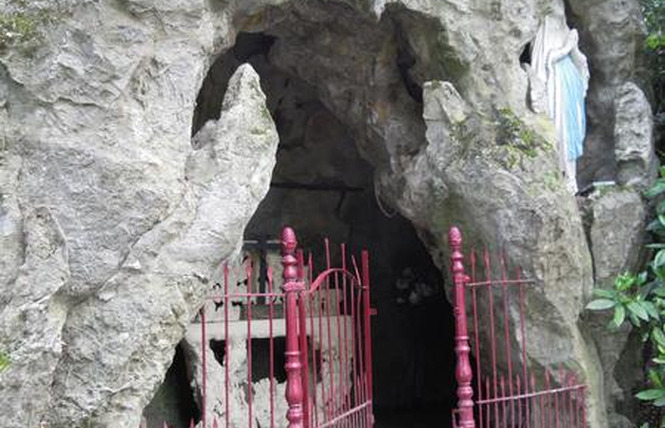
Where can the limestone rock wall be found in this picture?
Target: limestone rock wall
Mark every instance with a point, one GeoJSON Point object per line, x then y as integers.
{"type": "Point", "coordinates": [112, 217]}
{"type": "Point", "coordinates": [617, 219]}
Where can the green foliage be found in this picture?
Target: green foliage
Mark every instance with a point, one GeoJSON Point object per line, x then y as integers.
{"type": "Point", "coordinates": [632, 299]}
{"type": "Point", "coordinates": [552, 181]}
{"type": "Point", "coordinates": [655, 42]}
{"type": "Point", "coordinates": [22, 23]}
{"type": "Point", "coordinates": [639, 299]}
{"type": "Point", "coordinates": [514, 132]}
{"type": "Point", "coordinates": [16, 28]}
{"type": "Point", "coordinates": [654, 18]}
{"type": "Point", "coordinates": [4, 361]}
{"type": "Point", "coordinates": [519, 140]}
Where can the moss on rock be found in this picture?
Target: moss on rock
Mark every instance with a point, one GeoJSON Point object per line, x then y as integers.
{"type": "Point", "coordinates": [16, 27]}
{"type": "Point", "coordinates": [517, 139]}
{"type": "Point", "coordinates": [4, 361]}
{"type": "Point", "coordinates": [22, 23]}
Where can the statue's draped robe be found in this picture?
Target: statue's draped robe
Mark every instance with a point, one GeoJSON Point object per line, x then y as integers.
{"type": "Point", "coordinates": [558, 62]}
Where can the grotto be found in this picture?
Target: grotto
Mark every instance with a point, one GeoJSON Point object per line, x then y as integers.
{"type": "Point", "coordinates": [145, 144]}
{"type": "Point", "coordinates": [321, 185]}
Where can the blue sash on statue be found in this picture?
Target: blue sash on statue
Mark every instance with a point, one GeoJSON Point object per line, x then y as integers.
{"type": "Point", "coordinates": [572, 85]}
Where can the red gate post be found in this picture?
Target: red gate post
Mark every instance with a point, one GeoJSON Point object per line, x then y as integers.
{"type": "Point", "coordinates": [302, 334]}
{"type": "Point", "coordinates": [367, 335]}
{"type": "Point", "coordinates": [293, 365]}
{"type": "Point", "coordinates": [463, 372]}
{"type": "Point", "coordinates": [204, 365]}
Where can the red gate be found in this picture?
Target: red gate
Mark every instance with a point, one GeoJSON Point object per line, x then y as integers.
{"type": "Point", "coordinates": [299, 356]}
{"type": "Point", "coordinates": [334, 308]}
{"type": "Point", "coordinates": [508, 393]}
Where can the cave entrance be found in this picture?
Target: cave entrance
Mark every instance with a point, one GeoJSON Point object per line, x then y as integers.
{"type": "Point", "coordinates": [323, 188]}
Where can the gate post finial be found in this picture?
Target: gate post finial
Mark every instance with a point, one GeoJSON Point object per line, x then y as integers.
{"type": "Point", "coordinates": [463, 372]}
{"type": "Point", "coordinates": [292, 287]}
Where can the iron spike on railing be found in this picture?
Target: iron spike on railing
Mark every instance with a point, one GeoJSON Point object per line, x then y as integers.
{"type": "Point", "coordinates": [463, 371]}
{"type": "Point", "coordinates": [293, 366]}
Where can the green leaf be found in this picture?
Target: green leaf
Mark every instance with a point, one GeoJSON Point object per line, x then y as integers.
{"type": "Point", "coordinates": [656, 189]}
{"type": "Point", "coordinates": [651, 394]}
{"type": "Point", "coordinates": [606, 294]}
{"type": "Point", "coordinates": [624, 281]}
{"type": "Point", "coordinates": [651, 310]}
{"type": "Point", "coordinates": [658, 336]}
{"type": "Point", "coordinates": [654, 377]}
{"type": "Point", "coordinates": [639, 311]}
{"type": "Point", "coordinates": [647, 288]}
{"type": "Point", "coordinates": [659, 260]}
{"type": "Point", "coordinates": [655, 41]}
{"type": "Point", "coordinates": [635, 321]}
{"type": "Point", "coordinates": [660, 274]}
{"type": "Point", "coordinates": [654, 226]}
{"type": "Point", "coordinates": [659, 402]}
{"type": "Point", "coordinates": [600, 304]}
{"type": "Point", "coordinates": [619, 315]}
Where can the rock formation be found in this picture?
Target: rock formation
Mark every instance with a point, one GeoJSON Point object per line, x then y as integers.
{"type": "Point", "coordinates": [113, 216]}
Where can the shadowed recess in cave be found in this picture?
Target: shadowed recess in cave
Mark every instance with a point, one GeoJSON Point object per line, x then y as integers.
{"type": "Point", "coordinates": [174, 402]}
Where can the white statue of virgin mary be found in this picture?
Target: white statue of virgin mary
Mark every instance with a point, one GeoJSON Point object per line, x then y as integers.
{"type": "Point", "coordinates": [558, 63]}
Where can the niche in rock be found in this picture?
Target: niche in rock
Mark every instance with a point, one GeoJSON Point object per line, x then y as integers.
{"type": "Point", "coordinates": [174, 401]}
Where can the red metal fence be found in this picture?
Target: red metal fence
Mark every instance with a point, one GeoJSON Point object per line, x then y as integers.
{"type": "Point", "coordinates": [297, 355]}
{"type": "Point", "coordinates": [508, 392]}
{"type": "Point", "coordinates": [335, 309]}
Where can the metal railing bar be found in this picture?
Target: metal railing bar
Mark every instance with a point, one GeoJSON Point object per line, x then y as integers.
{"type": "Point", "coordinates": [532, 394]}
